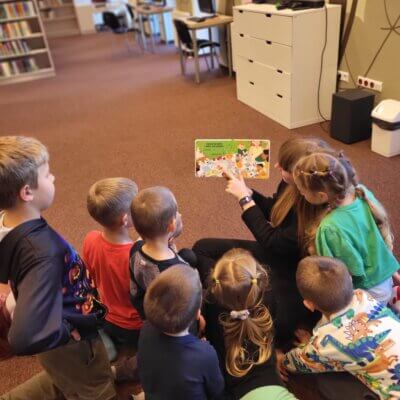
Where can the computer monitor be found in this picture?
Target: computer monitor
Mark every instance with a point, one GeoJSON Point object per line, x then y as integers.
{"type": "Point", "coordinates": [159, 3]}
{"type": "Point", "coordinates": [207, 6]}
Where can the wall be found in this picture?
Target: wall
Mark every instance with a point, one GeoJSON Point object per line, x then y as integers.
{"type": "Point", "coordinates": [370, 29]}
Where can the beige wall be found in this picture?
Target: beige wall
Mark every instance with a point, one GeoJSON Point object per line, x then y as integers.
{"type": "Point", "coordinates": [365, 39]}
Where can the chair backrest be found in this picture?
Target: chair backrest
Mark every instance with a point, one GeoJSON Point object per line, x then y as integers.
{"type": "Point", "coordinates": [183, 32]}
{"type": "Point", "coordinates": [111, 20]}
{"type": "Point", "coordinates": [130, 11]}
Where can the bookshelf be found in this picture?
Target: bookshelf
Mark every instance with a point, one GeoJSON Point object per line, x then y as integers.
{"type": "Point", "coordinates": [24, 51]}
{"type": "Point", "coordinates": [59, 18]}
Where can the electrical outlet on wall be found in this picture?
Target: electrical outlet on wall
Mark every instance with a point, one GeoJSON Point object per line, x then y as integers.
{"type": "Point", "coordinates": [343, 76]}
{"type": "Point", "coordinates": [369, 83]}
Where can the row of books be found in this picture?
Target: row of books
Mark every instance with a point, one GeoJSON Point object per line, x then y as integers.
{"type": "Point", "coordinates": [16, 67]}
{"type": "Point", "coordinates": [14, 48]}
{"type": "Point", "coordinates": [16, 10]}
{"type": "Point", "coordinates": [50, 3]}
{"type": "Point", "coordinates": [14, 29]}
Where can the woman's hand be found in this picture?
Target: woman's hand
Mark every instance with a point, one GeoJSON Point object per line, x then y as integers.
{"type": "Point", "coordinates": [237, 186]}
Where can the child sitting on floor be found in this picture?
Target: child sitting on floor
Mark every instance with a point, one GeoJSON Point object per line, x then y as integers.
{"type": "Point", "coordinates": [173, 364]}
{"type": "Point", "coordinates": [356, 229]}
{"type": "Point", "coordinates": [356, 334]}
{"type": "Point", "coordinates": [106, 254]}
{"type": "Point", "coordinates": [157, 220]}
{"type": "Point", "coordinates": [239, 324]}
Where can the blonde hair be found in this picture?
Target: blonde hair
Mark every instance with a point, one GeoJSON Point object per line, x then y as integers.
{"type": "Point", "coordinates": [20, 158]}
{"type": "Point", "coordinates": [322, 172]}
{"type": "Point", "coordinates": [110, 198]}
{"type": "Point", "coordinates": [238, 282]}
{"type": "Point", "coordinates": [290, 153]}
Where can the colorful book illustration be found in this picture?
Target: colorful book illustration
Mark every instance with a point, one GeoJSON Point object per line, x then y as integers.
{"type": "Point", "coordinates": [248, 157]}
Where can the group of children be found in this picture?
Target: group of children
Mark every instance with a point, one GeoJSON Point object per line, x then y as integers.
{"type": "Point", "coordinates": [147, 295]}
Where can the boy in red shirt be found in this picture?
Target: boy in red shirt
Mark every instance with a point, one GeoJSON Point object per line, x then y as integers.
{"type": "Point", "coordinates": [107, 256]}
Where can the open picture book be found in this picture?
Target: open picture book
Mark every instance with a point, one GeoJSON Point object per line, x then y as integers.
{"type": "Point", "coordinates": [247, 157]}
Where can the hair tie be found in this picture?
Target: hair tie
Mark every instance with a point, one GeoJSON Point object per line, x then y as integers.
{"type": "Point", "coordinates": [241, 314]}
{"type": "Point", "coordinates": [216, 281]}
{"type": "Point", "coordinates": [254, 281]}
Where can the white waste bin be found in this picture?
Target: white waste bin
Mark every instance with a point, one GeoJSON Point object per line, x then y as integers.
{"type": "Point", "coordinates": [386, 128]}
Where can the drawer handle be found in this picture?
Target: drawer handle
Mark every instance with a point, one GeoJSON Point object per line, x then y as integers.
{"type": "Point", "coordinates": [268, 15]}
{"type": "Point", "coordinates": [241, 35]}
{"type": "Point", "coordinates": [279, 95]}
{"type": "Point", "coordinates": [268, 42]}
{"type": "Point", "coordinates": [251, 83]}
{"type": "Point", "coordinates": [279, 71]}
{"type": "Point", "coordinates": [251, 61]}
{"type": "Point", "coordinates": [241, 11]}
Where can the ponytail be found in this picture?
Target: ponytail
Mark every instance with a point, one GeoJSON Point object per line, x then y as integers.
{"type": "Point", "coordinates": [238, 284]}
{"type": "Point", "coordinates": [380, 216]}
{"type": "Point", "coordinates": [256, 328]}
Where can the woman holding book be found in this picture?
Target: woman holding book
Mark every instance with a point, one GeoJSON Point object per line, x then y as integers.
{"type": "Point", "coordinates": [278, 224]}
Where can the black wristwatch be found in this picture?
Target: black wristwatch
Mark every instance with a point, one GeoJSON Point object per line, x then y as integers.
{"type": "Point", "coordinates": [245, 200]}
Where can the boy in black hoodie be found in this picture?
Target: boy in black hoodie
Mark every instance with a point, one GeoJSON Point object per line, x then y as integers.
{"type": "Point", "coordinates": [57, 309]}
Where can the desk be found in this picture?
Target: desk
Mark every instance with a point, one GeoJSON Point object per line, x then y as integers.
{"type": "Point", "coordinates": [219, 20]}
{"type": "Point", "coordinates": [149, 11]}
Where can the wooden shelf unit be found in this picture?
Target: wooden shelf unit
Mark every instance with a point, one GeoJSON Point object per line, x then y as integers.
{"type": "Point", "coordinates": [24, 50]}
{"type": "Point", "coordinates": [59, 18]}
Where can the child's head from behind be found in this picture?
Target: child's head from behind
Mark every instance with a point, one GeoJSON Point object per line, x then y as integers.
{"type": "Point", "coordinates": [238, 284]}
{"type": "Point", "coordinates": [292, 150]}
{"type": "Point", "coordinates": [109, 201]}
{"type": "Point", "coordinates": [324, 178]}
{"type": "Point", "coordinates": [324, 283]}
{"type": "Point", "coordinates": [173, 300]}
{"type": "Point", "coordinates": [155, 213]}
{"type": "Point", "coordinates": [24, 173]}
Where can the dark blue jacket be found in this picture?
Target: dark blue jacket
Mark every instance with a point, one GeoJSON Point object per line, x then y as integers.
{"type": "Point", "coordinates": [53, 291]}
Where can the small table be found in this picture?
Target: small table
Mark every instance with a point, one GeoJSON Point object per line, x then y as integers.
{"type": "Point", "coordinates": [149, 11]}
{"type": "Point", "coordinates": [209, 23]}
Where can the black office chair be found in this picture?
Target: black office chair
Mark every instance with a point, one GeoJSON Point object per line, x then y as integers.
{"type": "Point", "coordinates": [117, 25]}
{"type": "Point", "coordinates": [187, 44]}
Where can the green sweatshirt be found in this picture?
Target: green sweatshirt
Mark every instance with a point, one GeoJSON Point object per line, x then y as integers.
{"type": "Point", "coordinates": [350, 234]}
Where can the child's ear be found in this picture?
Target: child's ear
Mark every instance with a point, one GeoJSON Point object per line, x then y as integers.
{"type": "Point", "coordinates": [309, 304]}
{"type": "Point", "coordinates": [323, 197]}
{"type": "Point", "coordinates": [125, 220]}
{"type": "Point", "coordinates": [26, 193]}
{"type": "Point", "coordinates": [172, 226]}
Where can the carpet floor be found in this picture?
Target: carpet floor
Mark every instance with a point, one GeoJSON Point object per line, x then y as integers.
{"type": "Point", "coordinates": [109, 113]}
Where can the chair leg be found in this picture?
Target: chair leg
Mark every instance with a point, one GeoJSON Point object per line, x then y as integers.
{"type": "Point", "coordinates": [205, 58]}
{"type": "Point", "coordinates": [215, 53]}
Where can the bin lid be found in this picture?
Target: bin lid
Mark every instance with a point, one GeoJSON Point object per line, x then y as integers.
{"type": "Point", "coordinates": [388, 111]}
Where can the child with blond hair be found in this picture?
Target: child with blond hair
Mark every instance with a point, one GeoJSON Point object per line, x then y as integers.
{"type": "Point", "coordinates": [106, 254]}
{"type": "Point", "coordinates": [239, 324]}
{"type": "Point", "coordinates": [57, 311]}
{"type": "Point", "coordinates": [356, 227]}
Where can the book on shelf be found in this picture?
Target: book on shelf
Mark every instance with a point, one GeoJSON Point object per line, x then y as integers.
{"type": "Point", "coordinates": [15, 29]}
{"type": "Point", "coordinates": [51, 3]}
{"type": "Point", "coordinates": [16, 47]}
{"type": "Point", "coordinates": [17, 67]}
{"type": "Point", "coordinates": [16, 10]}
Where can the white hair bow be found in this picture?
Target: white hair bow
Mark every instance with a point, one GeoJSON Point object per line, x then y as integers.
{"type": "Point", "coordinates": [241, 314]}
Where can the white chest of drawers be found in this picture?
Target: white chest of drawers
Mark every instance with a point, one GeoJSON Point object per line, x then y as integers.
{"type": "Point", "coordinates": [282, 69]}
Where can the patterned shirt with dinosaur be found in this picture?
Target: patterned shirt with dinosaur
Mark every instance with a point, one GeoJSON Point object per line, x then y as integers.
{"type": "Point", "coordinates": [362, 339]}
